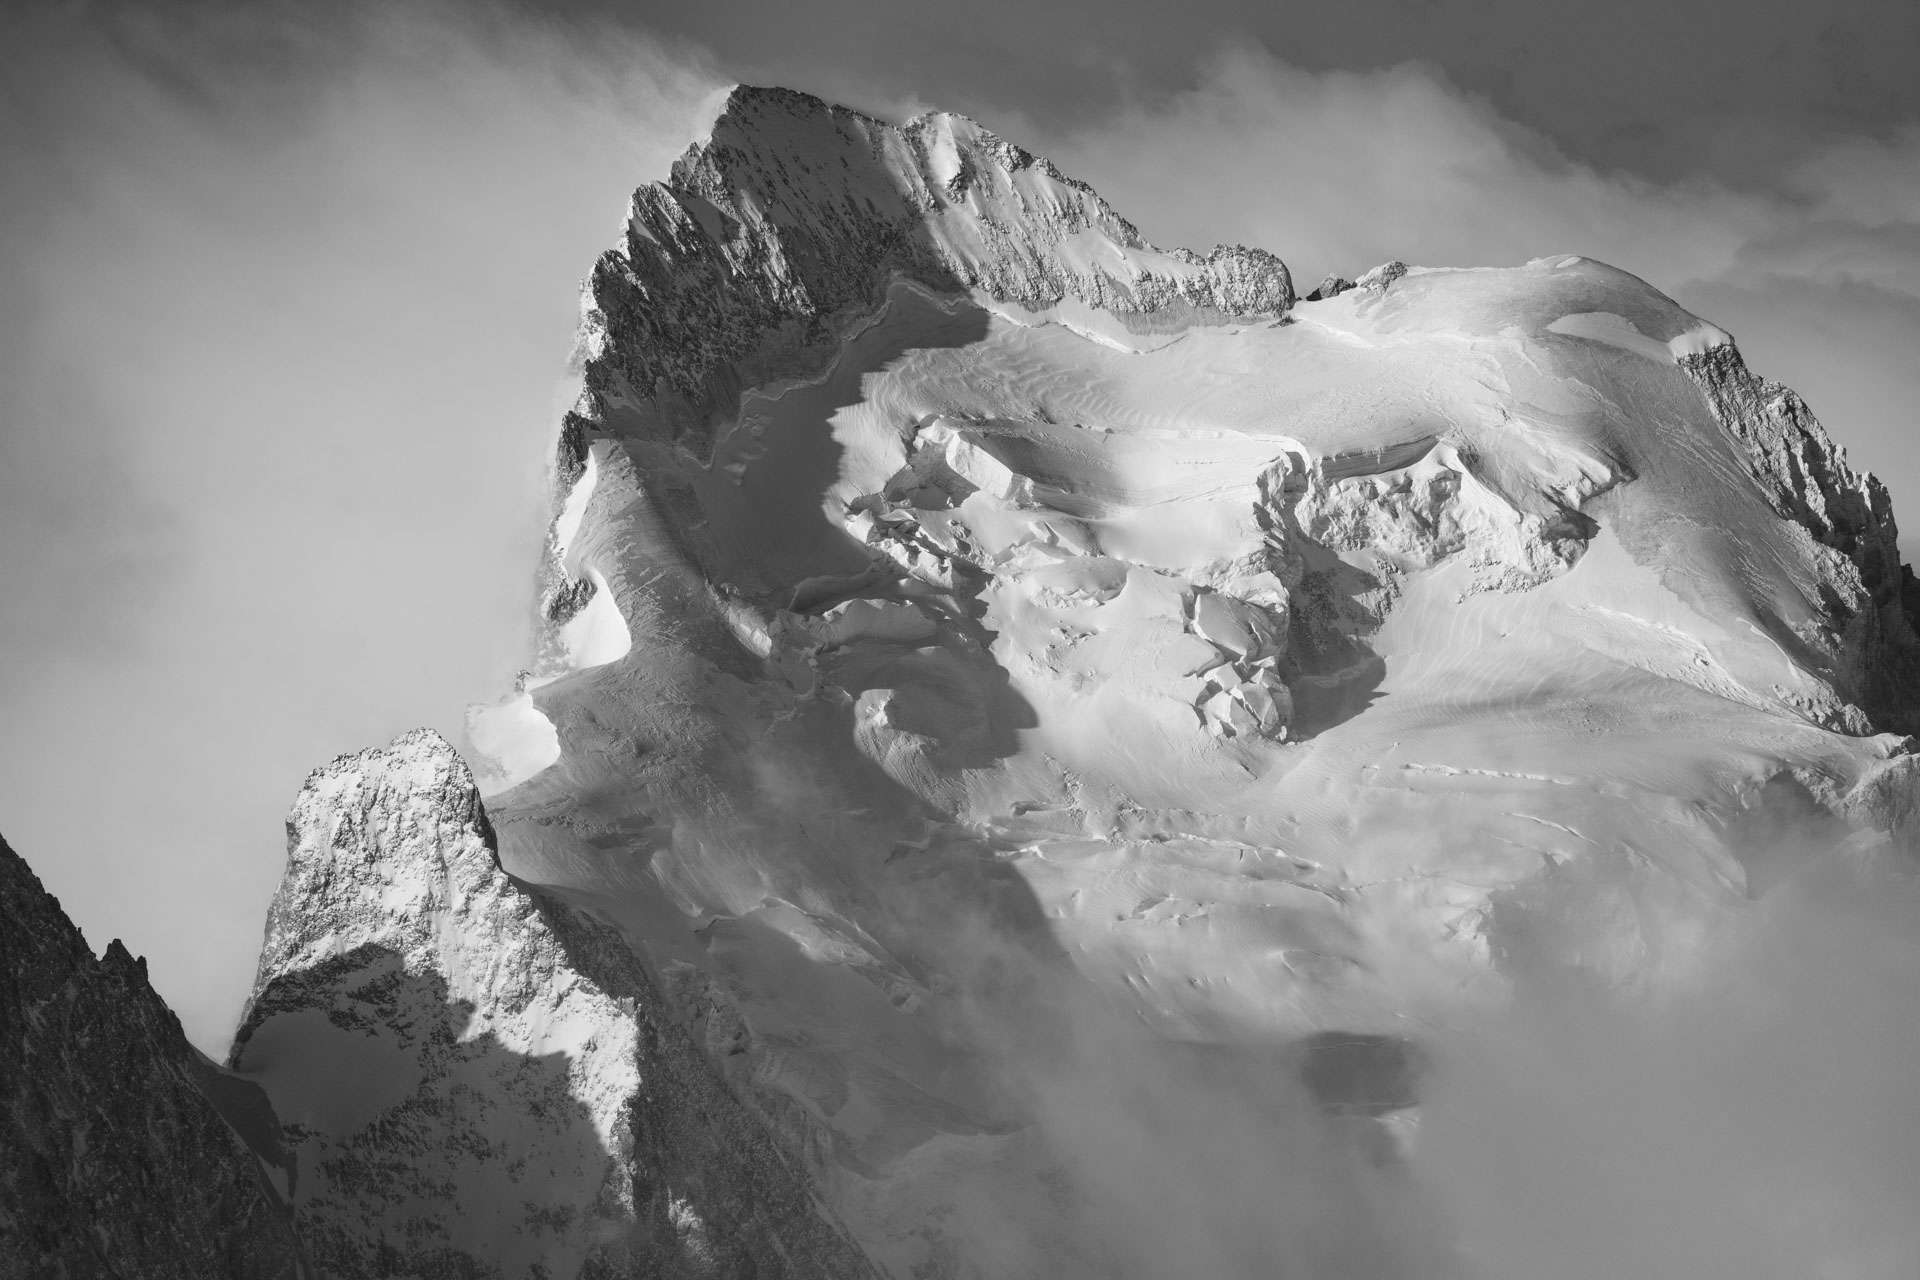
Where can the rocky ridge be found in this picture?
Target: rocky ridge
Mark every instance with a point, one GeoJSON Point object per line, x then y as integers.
{"type": "Point", "coordinates": [121, 1149]}
{"type": "Point", "coordinates": [1014, 698]}
{"type": "Point", "coordinates": [789, 219]}
{"type": "Point", "coordinates": [475, 1081]}
{"type": "Point", "coordinates": [1810, 482]}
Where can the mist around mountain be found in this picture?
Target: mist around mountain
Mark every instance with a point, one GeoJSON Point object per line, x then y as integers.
{"type": "Point", "coordinates": [1050, 755]}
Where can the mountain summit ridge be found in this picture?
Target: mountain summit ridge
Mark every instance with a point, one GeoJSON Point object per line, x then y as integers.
{"type": "Point", "coordinates": [800, 207]}
{"type": "Point", "coordinates": [1024, 724]}
{"type": "Point", "coordinates": [1259, 672]}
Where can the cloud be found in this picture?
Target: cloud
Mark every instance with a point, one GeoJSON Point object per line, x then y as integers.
{"type": "Point", "coordinates": [1814, 265]}
{"type": "Point", "coordinates": [1339, 170]}
{"type": "Point", "coordinates": [289, 294]}
{"type": "Point", "coordinates": [1748, 1121]}
{"type": "Point", "coordinates": [286, 298]}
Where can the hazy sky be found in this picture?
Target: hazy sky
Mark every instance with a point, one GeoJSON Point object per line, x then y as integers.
{"type": "Point", "coordinates": [285, 293]}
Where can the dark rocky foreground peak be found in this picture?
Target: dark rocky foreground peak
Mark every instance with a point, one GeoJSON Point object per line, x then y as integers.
{"type": "Point", "coordinates": [121, 1148]}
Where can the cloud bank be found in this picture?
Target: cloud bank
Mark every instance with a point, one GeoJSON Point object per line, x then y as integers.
{"type": "Point", "coordinates": [285, 304]}
{"type": "Point", "coordinates": [1751, 1120]}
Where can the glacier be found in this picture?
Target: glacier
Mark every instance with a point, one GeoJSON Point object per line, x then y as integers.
{"type": "Point", "coordinates": [1034, 738]}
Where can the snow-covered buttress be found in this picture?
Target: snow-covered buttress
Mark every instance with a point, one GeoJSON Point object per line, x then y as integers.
{"type": "Point", "coordinates": [475, 1081]}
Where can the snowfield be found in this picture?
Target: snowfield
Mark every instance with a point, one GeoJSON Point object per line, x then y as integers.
{"type": "Point", "coordinates": [1017, 687]}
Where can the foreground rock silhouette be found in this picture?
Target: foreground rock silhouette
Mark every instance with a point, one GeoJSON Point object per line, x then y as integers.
{"type": "Point", "coordinates": [121, 1148]}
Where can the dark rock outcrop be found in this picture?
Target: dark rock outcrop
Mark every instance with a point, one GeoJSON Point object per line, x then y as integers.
{"type": "Point", "coordinates": [121, 1152]}
{"type": "Point", "coordinates": [1809, 481]}
{"type": "Point", "coordinates": [1331, 287]}
{"type": "Point", "coordinates": [791, 219]}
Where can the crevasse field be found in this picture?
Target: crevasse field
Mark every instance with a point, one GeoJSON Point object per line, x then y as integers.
{"type": "Point", "coordinates": [1130, 773]}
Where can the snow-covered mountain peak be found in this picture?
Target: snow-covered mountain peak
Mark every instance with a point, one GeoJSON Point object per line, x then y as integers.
{"type": "Point", "coordinates": [1045, 755]}
{"type": "Point", "coordinates": [784, 222]}
{"type": "Point", "coordinates": [476, 1081]}
{"type": "Point", "coordinates": [1014, 698]}
{"type": "Point", "coordinates": [948, 586]}
{"type": "Point", "coordinates": [998, 217]}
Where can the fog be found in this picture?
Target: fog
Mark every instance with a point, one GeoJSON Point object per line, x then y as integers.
{"type": "Point", "coordinates": [287, 298]}
{"type": "Point", "coordinates": [1751, 1119]}
{"type": "Point", "coordinates": [1731, 1099]}
{"type": "Point", "coordinates": [286, 302]}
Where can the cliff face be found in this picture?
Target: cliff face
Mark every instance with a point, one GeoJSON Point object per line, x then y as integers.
{"type": "Point", "coordinates": [1809, 481]}
{"type": "Point", "coordinates": [793, 215]}
{"type": "Point", "coordinates": [478, 1082]}
{"type": "Point", "coordinates": [115, 1157]}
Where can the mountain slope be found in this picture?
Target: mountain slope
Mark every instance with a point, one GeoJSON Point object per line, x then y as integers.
{"type": "Point", "coordinates": [122, 1152]}
{"type": "Point", "coordinates": [999, 659]}
{"type": "Point", "coordinates": [793, 214]}
{"type": "Point", "coordinates": [1040, 746]}
{"type": "Point", "coordinates": [476, 1082]}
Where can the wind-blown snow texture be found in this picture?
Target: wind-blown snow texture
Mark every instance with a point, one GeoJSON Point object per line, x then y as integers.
{"type": "Point", "coordinates": [1027, 721]}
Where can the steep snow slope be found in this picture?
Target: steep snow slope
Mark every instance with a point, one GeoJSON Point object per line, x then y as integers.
{"type": "Point", "coordinates": [1023, 685]}
{"type": "Point", "coordinates": [475, 1082]}
{"type": "Point", "coordinates": [123, 1152]}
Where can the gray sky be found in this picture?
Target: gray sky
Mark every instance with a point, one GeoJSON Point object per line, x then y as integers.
{"type": "Point", "coordinates": [285, 293]}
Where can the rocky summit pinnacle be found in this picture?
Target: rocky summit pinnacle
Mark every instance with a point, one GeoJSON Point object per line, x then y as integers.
{"type": "Point", "coordinates": [793, 214]}
{"type": "Point", "coordinates": [1032, 731]}
{"type": "Point", "coordinates": [477, 1081]}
